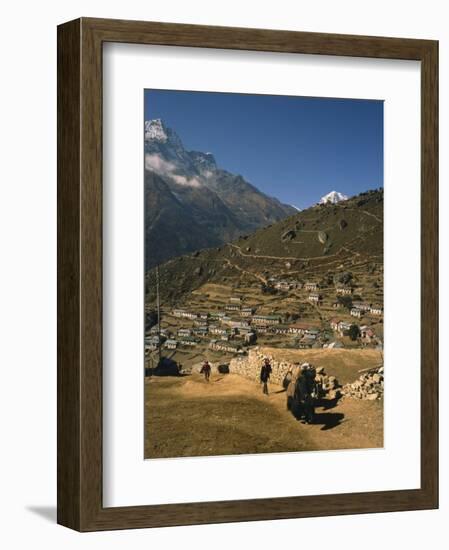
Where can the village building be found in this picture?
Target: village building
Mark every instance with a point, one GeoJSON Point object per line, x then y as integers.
{"type": "Point", "coordinates": [152, 339]}
{"type": "Point", "coordinates": [311, 286]}
{"type": "Point", "coordinates": [283, 285]}
{"type": "Point", "coordinates": [376, 310]}
{"type": "Point", "coordinates": [225, 320]}
{"type": "Point", "coordinates": [200, 331]}
{"type": "Point", "coordinates": [236, 299]}
{"type": "Point", "coordinates": [204, 316]}
{"type": "Point", "coordinates": [280, 329]}
{"type": "Point", "coordinates": [152, 343]}
{"type": "Point", "coordinates": [187, 341]}
{"type": "Point", "coordinates": [150, 347]}
{"type": "Point", "coordinates": [266, 320]}
{"type": "Point", "coordinates": [307, 341]}
{"type": "Point", "coordinates": [315, 298]}
{"type": "Point", "coordinates": [191, 315]}
{"type": "Point", "coordinates": [344, 290]}
{"type": "Point", "coordinates": [334, 323]}
{"type": "Point", "coordinates": [155, 330]}
{"type": "Point", "coordinates": [224, 346]}
{"type": "Point", "coordinates": [178, 312]}
{"type": "Point", "coordinates": [250, 338]}
{"type": "Point", "coordinates": [247, 311]}
{"type": "Point", "coordinates": [367, 333]}
{"type": "Point", "coordinates": [232, 307]}
{"type": "Point", "coordinates": [184, 332]}
{"type": "Point", "coordinates": [185, 314]}
{"type": "Point", "coordinates": [302, 328]}
{"type": "Point", "coordinates": [238, 324]}
{"type": "Point", "coordinates": [343, 326]}
{"type": "Point", "coordinates": [217, 314]}
{"type": "Point", "coordinates": [217, 330]}
{"type": "Point", "coordinates": [364, 306]}
{"type": "Point", "coordinates": [356, 312]}
{"type": "Point", "coordinates": [245, 330]}
{"type": "Point", "coordinates": [171, 344]}
{"type": "Point", "coordinates": [297, 328]}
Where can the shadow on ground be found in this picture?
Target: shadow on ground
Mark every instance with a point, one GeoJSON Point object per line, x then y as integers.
{"type": "Point", "coordinates": [329, 420]}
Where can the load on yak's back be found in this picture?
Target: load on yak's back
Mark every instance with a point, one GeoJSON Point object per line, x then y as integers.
{"type": "Point", "coordinates": [303, 388]}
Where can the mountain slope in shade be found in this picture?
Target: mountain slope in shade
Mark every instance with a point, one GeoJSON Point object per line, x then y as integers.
{"type": "Point", "coordinates": [170, 227]}
{"type": "Point", "coordinates": [333, 197]}
{"type": "Point", "coordinates": [318, 241]}
{"type": "Point", "coordinates": [203, 205]}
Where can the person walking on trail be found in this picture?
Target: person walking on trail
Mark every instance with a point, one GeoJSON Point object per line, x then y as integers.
{"type": "Point", "coordinates": [205, 369]}
{"type": "Point", "coordinates": [265, 372]}
{"type": "Point", "coordinates": [305, 387]}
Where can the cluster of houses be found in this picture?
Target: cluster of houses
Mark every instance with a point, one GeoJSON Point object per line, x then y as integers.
{"type": "Point", "coordinates": [308, 332]}
{"type": "Point", "coordinates": [311, 286]}
{"type": "Point", "coordinates": [341, 327]}
{"type": "Point", "coordinates": [286, 285]}
{"type": "Point", "coordinates": [362, 308]}
{"type": "Point", "coordinates": [239, 324]}
{"type": "Point", "coordinates": [358, 308]}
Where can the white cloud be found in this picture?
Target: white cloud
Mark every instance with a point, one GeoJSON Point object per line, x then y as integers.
{"type": "Point", "coordinates": [158, 164]}
{"type": "Point", "coordinates": [165, 168]}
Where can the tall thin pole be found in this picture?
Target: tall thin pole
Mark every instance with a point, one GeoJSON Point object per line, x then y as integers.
{"type": "Point", "coordinates": [158, 305]}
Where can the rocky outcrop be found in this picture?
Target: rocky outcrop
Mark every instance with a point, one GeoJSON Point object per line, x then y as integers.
{"type": "Point", "coordinates": [369, 386]}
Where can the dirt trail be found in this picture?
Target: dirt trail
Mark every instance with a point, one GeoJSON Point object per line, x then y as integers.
{"type": "Point", "coordinates": [187, 416]}
{"type": "Point", "coordinates": [295, 258]}
{"type": "Point", "coordinates": [249, 273]}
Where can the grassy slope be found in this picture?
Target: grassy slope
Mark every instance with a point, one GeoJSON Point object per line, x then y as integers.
{"type": "Point", "coordinates": [251, 260]}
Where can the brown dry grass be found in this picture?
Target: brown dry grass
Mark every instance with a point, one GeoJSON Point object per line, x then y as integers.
{"type": "Point", "coordinates": [186, 416]}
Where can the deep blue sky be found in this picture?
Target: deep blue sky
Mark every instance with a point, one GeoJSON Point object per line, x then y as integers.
{"type": "Point", "coordinates": [294, 148]}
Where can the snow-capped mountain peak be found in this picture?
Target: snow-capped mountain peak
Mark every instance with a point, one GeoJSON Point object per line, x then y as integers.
{"type": "Point", "coordinates": [157, 132]}
{"type": "Point", "coordinates": [333, 197]}
{"type": "Point", "coordinates": [155, 129]}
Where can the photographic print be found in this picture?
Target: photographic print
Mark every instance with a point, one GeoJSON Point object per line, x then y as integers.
{"type": "Point", "coordinates": [263, 273]}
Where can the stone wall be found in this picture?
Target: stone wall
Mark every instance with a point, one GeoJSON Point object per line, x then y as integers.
{"type": "Point", "coordinates": [369, 385]}
{"type": "Point", "coordinates": [250, 365]}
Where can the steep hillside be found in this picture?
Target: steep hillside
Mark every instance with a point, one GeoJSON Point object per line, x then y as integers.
{"type": "Point", "coordinates": [167, 220]}
{"type": "Point", "coordinates": [314, 244]}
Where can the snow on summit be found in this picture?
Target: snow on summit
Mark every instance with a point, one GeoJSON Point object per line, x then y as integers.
{"type": "Point", "coordinates": [333, 197]}
{"type": "Point", "coordinates": [154, 129]}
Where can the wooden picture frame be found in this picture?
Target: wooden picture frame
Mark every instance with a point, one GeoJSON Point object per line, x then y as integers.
{"type": "Point", "coordinates": [80, 504]}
